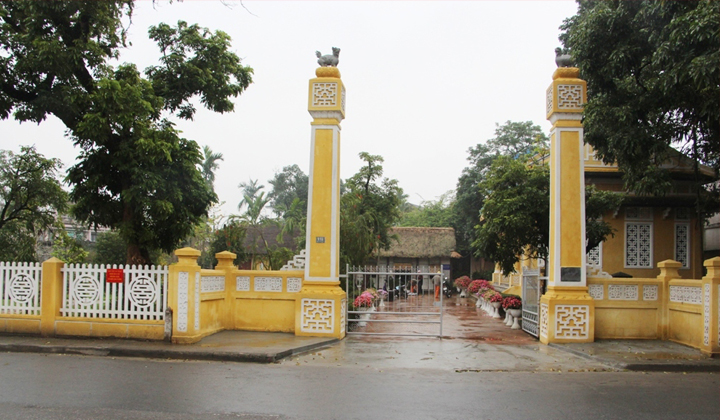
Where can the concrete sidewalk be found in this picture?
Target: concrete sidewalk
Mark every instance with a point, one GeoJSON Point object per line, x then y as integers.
{"type": "Point", "coordinates": [232, 346]}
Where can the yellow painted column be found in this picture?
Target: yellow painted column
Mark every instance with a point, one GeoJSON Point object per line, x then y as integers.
{"type": "Point", "coordinates": [321, 304]}
{"type": "Point", "coordinates": [668, 271]}
{"type": "Point", "coordinates": [567, 312]}
{"type": "Point", "coordinates": [225, 263]}
{"type": "Point", "coordinates": [711, 308]}
{"type": "Point", "coordinates": [184, 296]}
{"type": "Point", "coordinates": [50, 295]}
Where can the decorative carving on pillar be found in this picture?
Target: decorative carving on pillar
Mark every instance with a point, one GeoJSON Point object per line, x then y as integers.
{"type": "Point", "coordinates": [182, 312]}
{"type": "Point", "coordinates": [571, 321]}
{"type": "Point", "coordinates": [318, 316]}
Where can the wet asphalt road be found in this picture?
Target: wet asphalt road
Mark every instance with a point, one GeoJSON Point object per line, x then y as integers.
{"type": "Point", "coordinates": [35, 386]}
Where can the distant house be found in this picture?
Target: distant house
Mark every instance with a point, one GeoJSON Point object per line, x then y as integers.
{"type": "Point", "coordinates": [428, 247]}
{"type": "Point", "coordinates": [255, 242]}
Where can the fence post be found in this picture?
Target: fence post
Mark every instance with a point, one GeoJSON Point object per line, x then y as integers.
{"type": "Point", "coordinates": [711, 307]}
{"type": "Point", "coordinates": [225, 263]}
{"type": "Point", "coordinates": [50, 295]}
{"type": "Point", "coordinates": [183, 296]}
{"type": "Point", "coordinates": [668, 271]}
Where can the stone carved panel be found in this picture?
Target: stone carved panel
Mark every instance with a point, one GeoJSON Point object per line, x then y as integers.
{"type": "Point", "coordinates": [706, 315]}
{"type": "Point", "coordinates": [182, 297]}
{"type": "Point", "coordinates": [22, 288]}
{"type": "Point", "coordinates": [317, 315]}
{"type": "Point", "coordinates": [268, 284]}
{"type": "Point", "coordinates": [596, 291]}
{"type": "Point", "coordinates": [242, 283]}
{"type": "Point", "coordinates": [570, 97]}
{"type": "Point", "coordinates": [197, 301]}
{"type": "Point", "coordinates": [623, 291]}
{"type": "Point", "coordinates": [342, 101]}
{"type": "Point", "coordinates": [549, 100]}
{"type": "Point", "coordinates": [571, 321]}
{"type": "Point", "coordinates": [86, 290]}
{"type": "Point", "coordinates": [544, 320]}
{"type": "Point", "coordinates": [142, 292]}
{"type": "Point", "coordinates": [650, 292]}
{"type": "Point", "coordinates": [638, 241]}
{"type": "Point", "coordinates": [686, 294]}
{"type": "Point", "coordinates": [212, 284]}
{"type": "Point", "coordinates": [325, 94]}
{"type": "Point", "coordinates": [294, 284]}
{"type": "Point", "coordinates": [343, 311]}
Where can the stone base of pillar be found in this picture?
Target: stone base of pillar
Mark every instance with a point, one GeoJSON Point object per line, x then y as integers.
{"type": "Point", "coordinates": [567, 315]}
{"type": "Point", "coordinates": [320, 310]}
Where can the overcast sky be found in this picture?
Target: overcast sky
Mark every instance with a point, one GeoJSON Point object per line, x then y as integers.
{"type": "Point", "coordinates": [425, 81]}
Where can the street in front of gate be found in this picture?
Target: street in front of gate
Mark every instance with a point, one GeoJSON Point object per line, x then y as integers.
{"type": "Point", "coordinates": [472, 342]}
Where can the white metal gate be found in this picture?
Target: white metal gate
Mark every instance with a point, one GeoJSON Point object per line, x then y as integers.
{"type": "Point", "coordinates": [531, 293]}
{"type": "Point", "coordinates": [406, 303]}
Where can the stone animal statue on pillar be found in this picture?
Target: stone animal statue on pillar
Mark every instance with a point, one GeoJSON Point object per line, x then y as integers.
{"type": "Point", "coordinates": [329, 60]}
{"type": "Point", "coordinates": [562, 58]}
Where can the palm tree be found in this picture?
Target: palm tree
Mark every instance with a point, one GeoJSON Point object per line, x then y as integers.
{"type": "Point", "coordinates": [210, 165]}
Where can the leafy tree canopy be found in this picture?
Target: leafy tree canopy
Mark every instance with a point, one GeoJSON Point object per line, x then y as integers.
{"type": "Point", "coordinates": [30, 193]}
{"type": "Point", "coordinates": [516, 213]}
{"type": "Point", "coordinates": [518, 140]}
{"type": "Point", "coordinates": [652, 73]}
{"type": "Point", "coordinates": [369, 208]}
{"type": "Point", "coordinates": [135, 173]}
{"type": "Point", "coordinates": [289, 185]}
{"type": "Point", "coordinates": [436, 213]}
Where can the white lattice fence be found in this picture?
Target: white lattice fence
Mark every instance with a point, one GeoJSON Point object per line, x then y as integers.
{"type": "Point", "coordinates": [140, 296]}
{"type": "Point", "coordinates": [20, 288]}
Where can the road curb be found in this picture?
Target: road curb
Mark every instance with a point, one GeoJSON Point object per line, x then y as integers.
{"type": "Point", "coordinates": [641, 367]}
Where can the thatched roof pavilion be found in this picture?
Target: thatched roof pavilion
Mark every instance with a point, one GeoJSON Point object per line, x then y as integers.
{"type": "Point", "coordinates": [421, 242]}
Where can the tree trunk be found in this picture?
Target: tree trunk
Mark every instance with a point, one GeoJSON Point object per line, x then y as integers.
{"type": "Point", "coordinates": [135, 254]}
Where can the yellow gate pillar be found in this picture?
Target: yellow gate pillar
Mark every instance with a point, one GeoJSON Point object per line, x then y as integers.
{"type": "Point", "coordinates": [321, 304]}
{"type": "Point", "coordinates": [567, 312]}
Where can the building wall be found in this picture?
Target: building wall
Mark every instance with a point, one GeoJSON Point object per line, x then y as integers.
{"type": "Point", "coordinates": [663, 244]}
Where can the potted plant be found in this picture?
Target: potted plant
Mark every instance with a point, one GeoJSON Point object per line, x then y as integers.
{"type": "Point", "coordinates": [513, 305]}
{"type": "Point", "coordinates": [496, 301]}
{"type": "Point", "coordinates": [462, 284]}
{"type": "Point", "coordinates": [364, 303]}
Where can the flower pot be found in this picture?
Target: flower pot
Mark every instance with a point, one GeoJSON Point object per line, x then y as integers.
{"type": "Point", "coordinates": [463, 293]}
{"type": "Point", "coordinates": [364, 316]}
{"type": "Point", "coordinates": [509, 320]}
{"type": "Point", "coordinates": [478, 303]}
{"type": "Point", "coordinates": [496, 310]}
{"type": "Point", "coordinates": [516, 314]}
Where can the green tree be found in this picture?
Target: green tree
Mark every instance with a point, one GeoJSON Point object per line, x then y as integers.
{"type": "Point", "coordinates": [368, 209]}
{"type": "Point", "coordinates": [289, 185]}
{"type": "Point", "coordinates": [17, 242]}
{"type": "Point", "coordinates": [68, 249]}
{"type": "Point", "coordinates": [110, 248]}
{"type": "Point", "coordinates": [254, 219]}
{"type": "Point", "coordinates": [30, 192]}
{"type": "Point", "coordinates": [519, 140]}
{"type": "Point", "coordinates": [230, 237]}
{"type": "Point", "coordinates": [210, 165]}
{"type": "Point", "coordinates": [438, 213]}
{"type": "Point", "coordinates": [515, 218]}
{"type": "Point", "coordinates": [135, 173]}
{"type": "Point", "coordinates": [652, 73]}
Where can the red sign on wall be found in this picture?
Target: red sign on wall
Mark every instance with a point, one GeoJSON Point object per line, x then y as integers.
{"type": "Point", "coordinates": [114, 275]}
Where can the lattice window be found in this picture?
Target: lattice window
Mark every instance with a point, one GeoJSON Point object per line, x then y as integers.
{"type": "Point", "coordinates": [594, 256]}
{"type": "Point", "coordinates": [182, 297]}
{"type": "Point", "coordinates": [212, 284]}
{"type": "Point", "coordinates": [343, 321]}
{"type": "Point", "coordinates": [686, 294]}
{"type": "Point", "coordinates": [294, 284]}
{"type": "Point", "coordinates": [197, 301]}
{"type": "Point", "coordinates": [638, 245]}
{"type": "Point", "coordinates": [650, 292]}
{"type": "Point", "coordinates": [268, 284]}
{"type": "Point", "coordinates": [706, 315]}
{"type": "Point", "coordinates": [544, 312]}
{"type": "Point", "coordinates": [623, 292]}
{"type": "Point", "coordinates": [596, 291]}
{"type": "Point", "coordinates": [570, 96]}
{"type": "Point", "coordinates": [242, 283]}
{"type": "Point", "coordinates": [324, 94]}
{"type": "Point", "coordinates": [682, 244]}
